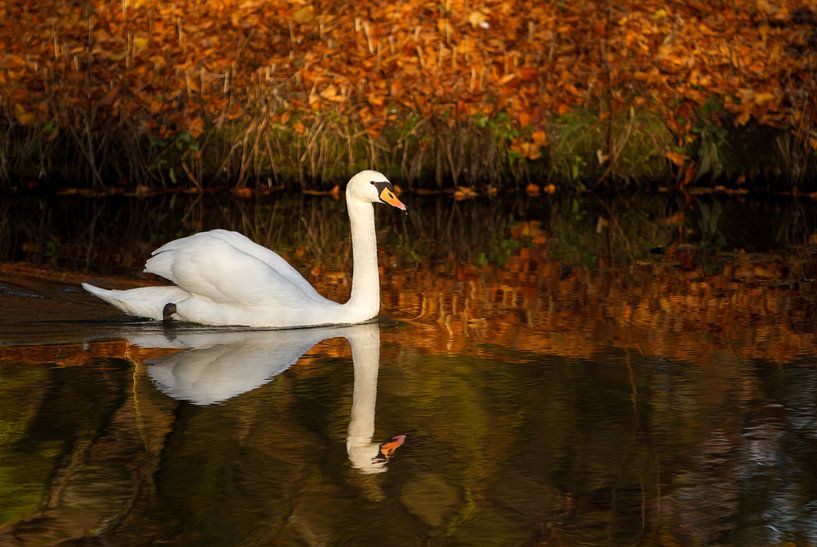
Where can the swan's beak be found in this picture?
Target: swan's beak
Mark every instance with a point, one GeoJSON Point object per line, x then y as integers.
{"type": "Point", "coordinates": [388, 448]}
{"type": "Point", "coordinates": [387, 196]}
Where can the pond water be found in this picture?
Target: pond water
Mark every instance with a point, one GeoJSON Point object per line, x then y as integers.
{"type": "Point", "coordinates": [544, 370]}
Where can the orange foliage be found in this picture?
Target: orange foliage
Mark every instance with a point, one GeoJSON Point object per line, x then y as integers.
{"type": "Point", "coordinates": [173, 66]}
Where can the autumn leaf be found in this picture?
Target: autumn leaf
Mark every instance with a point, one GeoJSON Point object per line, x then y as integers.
{"type": "Point", "coordinates": [374, 99]}
{"type": "Point", "coordinates": [23, 116]}
{"type": "Point", "coordinates": [676, 157]}
{"type": "Point", "coordinates": [539, 138]}
{"type": "Point", "coordinates": [534, 152]}
{"type": "Point", "coordinates": [676, 218]}
{"type": "Point", "coordinates": [140, 43]}
{"type": "Point", "coordinates": [743, 117]}
{"type": "Point", "coordinates": [464, 192]}
{"type": "Point", "coordinates": [331, 94]}
{"type": "Point", "coordinates": [506, 78]}
{"type": "Point", "coordinates": [196, 127]}
{"type": "Point", "coordinates": [395, 88]}
{"type": "Point", "coordinates": [304, 15]}
{"type": "Point", "coordinates": [242, 192]}
{"type": "Point", "coordinates": [764, 97]}
{"type": "Point", "coordinates": [477, 20]}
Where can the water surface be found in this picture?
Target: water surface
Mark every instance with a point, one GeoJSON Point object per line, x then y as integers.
{"type": "Point", "coordinates": [543, 395]}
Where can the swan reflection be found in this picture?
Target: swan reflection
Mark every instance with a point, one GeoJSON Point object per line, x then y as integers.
{"type": "Point", "coordinates": [216, 366]}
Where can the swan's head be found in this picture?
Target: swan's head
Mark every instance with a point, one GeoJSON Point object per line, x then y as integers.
{"type": "Point", "coordinates": [373, 187]}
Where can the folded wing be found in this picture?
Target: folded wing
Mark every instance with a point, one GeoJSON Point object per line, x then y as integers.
{"type": "Point", "coordinates": [229, 268]}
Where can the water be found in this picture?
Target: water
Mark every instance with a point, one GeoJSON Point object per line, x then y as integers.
{"type": "Point", "coordinates": [527, 393]}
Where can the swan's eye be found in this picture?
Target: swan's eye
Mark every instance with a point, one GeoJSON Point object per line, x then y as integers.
{"type": "Point", "coordinates": [382, 185]}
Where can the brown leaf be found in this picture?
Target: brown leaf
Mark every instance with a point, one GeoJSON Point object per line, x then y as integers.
{"type": "Point", "coordinates": [304, 15]}
{"type": "Point", "coordinates": [24, 117]}
{"type": "Point", "coordinates": [676, 157]}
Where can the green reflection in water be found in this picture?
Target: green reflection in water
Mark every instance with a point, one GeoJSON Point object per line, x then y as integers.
{"type": "Point", "coordinates": [117, 234]}
{"type": "Point", "coordinates": [50, 418]}
{"type": "Point", "coordinates": [514, 447]}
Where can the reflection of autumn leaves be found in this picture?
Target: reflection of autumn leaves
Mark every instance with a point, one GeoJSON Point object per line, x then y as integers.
{"type": "Point", "coordinates": [532, 305]}
{"type": "Point", "coordinates": [759, 306]}
{"type": "Point", "coordinates": [537, 304]}
{"type": "Point", "coordinates": [79, 354]}
{"type": "Point", "coordinates": [173, 66]}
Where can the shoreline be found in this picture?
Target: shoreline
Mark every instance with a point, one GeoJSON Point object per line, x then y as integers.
{"type": "Point", "coordinates": [477, 155]}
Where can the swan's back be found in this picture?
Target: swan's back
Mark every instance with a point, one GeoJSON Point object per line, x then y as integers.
{"type": "Point", "coordinates": [226, 266]}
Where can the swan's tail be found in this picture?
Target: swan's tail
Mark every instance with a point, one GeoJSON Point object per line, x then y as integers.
{"type": "Point", "coordinates": [141, 302]}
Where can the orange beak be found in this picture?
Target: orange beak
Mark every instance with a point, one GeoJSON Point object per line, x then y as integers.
{"type": "Point", "coordinates": [388, 448]}
{"type": "Point", "coordinates": [387, 196]}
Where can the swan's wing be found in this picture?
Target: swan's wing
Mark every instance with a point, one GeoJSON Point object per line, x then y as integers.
{"type": "Point", "coordinates": [211, 264]}
{"type": "Point", "coordinates": [240, 243]}
{"type": "Point", "coordinates": [269, 257]}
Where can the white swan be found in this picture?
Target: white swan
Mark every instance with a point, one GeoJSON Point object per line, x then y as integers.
{"type": "Point", "coordinates": [223, 278]}
{"type": "Point", "coordinates": [220, 365]}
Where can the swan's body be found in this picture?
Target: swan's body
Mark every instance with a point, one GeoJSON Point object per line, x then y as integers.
{"type": "Point", "coordinates": [223, 278]}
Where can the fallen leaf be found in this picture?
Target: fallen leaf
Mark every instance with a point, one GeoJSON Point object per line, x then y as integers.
{"type": "Point", "coordinates": [539, 138]}
{"type": "Point", "coordinates": [24, 117]}
{"type": "Point", "coordinates": [676, 157]}
{"type": "Point", "coordinates": [477, 19]}
{"type": "Point", "coordinates": [303, 15]}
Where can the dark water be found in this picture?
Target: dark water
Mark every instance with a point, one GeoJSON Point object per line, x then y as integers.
{"type": "Point", "coordinates": [539, 403]}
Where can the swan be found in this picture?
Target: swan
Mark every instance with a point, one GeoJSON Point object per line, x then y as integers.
{"type": "Point", "coordinates": [216, 366]}
{"type": "Point", "coordinates": [222, 278]}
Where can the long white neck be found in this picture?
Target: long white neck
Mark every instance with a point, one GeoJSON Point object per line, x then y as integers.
{"type": "Point", "coordinates": [365, 298]}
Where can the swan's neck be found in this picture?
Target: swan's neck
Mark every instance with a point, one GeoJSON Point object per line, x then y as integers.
{"type": "Point", "coordinates": [365, 298]}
